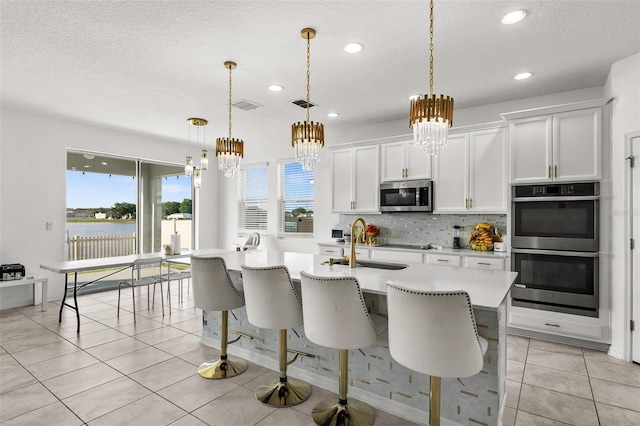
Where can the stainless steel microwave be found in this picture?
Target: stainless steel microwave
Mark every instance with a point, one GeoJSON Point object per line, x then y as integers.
{"type": "Point", "coordinates": [406, 196]}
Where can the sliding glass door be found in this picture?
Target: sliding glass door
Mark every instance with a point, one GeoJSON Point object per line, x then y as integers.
{"type": "Point", "coordinates": [118, 206]}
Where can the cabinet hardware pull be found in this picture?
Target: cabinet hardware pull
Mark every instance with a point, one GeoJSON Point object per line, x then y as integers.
{"type": "Point", "coordinates": [484, 263]}
{"type": "Point", "coordinates": [555, 170]}
{"type": "Point", "coordinates": [466, 203]}
{"type": "Point", "coordinates": [470, 203]}
{"type": "Point", "coordinates": [549, 172]}
{"type": "Point", "coordinates": [442, 260]}
{"type": "Point", "coordinates": [551, 324]}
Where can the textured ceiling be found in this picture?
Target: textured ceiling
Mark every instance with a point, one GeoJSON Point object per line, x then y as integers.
{"type": "Point", "coordinates": [146, 66]}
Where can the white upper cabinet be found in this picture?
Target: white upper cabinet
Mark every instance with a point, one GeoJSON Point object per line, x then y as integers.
{"type": "Point", "coordinates": [488, 171]}
{"type": "Point", "coordinates": [451, 177]}
{"type": "Point", "coordinates": [577, 147]}
{"type": "Point", "coordinates": [530, 140]}
{"type": "Point", "coordinates": [470, 173]}
{"type": "Point", "coordinates": [564, 146]}
{"type": "Point", "coordinates": [355, 180]}
{"type": "Point", "coordinates": [401, 160]}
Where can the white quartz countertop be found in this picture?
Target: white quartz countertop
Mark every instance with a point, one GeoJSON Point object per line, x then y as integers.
{"type": "Point", "coordinates": [487, 288]}
{"type": "Point", "coordinates": [444, 250]}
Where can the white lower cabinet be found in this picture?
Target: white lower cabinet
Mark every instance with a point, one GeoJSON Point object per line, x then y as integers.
{"type": "Point", "coordinates": [397, 256]}
{"type": "Point", "coordinates": [331, 251]}
{"type": "Point", "coordinates": [361, 253]}
{"type": "Point", "coordinates": [484, 262]}
{"type": "Point", "coordinates": [444, 259]}
{"type": "Point", "coordinates": [557, 324]}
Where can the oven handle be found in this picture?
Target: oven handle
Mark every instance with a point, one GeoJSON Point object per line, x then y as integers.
{"type": "Point", "coordinates": [556, 252]}
{"type": "Point", "coordinates": [569, 198]}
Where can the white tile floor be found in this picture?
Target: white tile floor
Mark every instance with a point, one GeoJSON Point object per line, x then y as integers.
{"type": "Point", "coordinates": [118, 372]}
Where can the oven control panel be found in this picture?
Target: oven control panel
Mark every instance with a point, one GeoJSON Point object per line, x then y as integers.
{"type": "Point", "coordinates": [556, 190]}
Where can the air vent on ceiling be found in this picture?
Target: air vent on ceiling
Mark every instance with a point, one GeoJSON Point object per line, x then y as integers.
{"type": "Point", "coordinates": [246, 105]}
{"type": "Point", "coordinates": [302, 103]}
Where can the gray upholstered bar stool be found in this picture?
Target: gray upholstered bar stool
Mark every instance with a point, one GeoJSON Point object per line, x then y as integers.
{"type": "Point", "coordinates": [273, 303]}
{"type": "Point", "coordinates": [335, 316]}
{"type": "Point", "coordinates": [213, 290]}
{"type": "Point", "coordinates": [445, 345]}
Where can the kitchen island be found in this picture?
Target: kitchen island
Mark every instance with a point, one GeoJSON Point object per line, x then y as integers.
{"type": "Point", "coordinates": [375, 378]}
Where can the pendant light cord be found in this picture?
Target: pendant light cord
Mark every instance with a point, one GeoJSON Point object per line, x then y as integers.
{"type": "Point", "coordinates": [308, 74]}
{"type": "Point", "coordinates": [431, 50]}
{"type": "Point", "coordinates": [230, 67]}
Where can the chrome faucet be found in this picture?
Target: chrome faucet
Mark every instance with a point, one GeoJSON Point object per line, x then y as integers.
{"type": "Point", "coordinates": [352, 259]}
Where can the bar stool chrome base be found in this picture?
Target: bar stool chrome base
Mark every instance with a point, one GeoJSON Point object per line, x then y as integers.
{"type": "Point", "coordinates": [284, 394]}
{"type": "Point", "coordinates": [222, 368]}
{"type": "Point", "coordinates": [330, 413]}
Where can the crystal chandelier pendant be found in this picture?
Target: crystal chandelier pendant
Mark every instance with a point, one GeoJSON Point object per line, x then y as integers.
{"type": "Point", "coordinates": [204, 160]}
{"type": "Point", "coordinates": [197, 178]}
{"type": "Point", "coordinates": [229, 154]}
{"type": "Point", "coordinates": [307, 138]}
{"type": "Point", "coordinates": [188, 167]}
{"type": "Point", "coordinates": [229, 151]}
{"type": "Point", "coordinates": [431, 116]}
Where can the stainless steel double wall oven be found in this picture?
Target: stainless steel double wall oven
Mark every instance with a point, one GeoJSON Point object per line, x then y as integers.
{"type": "Point", "coordinates": [555, 246]}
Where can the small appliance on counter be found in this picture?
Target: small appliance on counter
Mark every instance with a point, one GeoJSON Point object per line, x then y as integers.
{"type": "Point", "coordinates": [337, 233]}
{"type": "Point", "coordinates": [456, 237]}
{"type": "Point", "coordinates": [13, 271]}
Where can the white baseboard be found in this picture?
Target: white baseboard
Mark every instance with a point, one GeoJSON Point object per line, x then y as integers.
{"type": "Point", "coordinates": [385, 404]}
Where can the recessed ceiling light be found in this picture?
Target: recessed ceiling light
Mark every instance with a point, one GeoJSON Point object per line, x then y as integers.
{"type": "Point", "coordinates": [353, 48]}
{"type": "Point", "coordinates": [276, 88]}
{"type": "Point", "coordinates": [522, 76]}
{"type": "Point", "coordinates": [333, 114]}
{"type": "Point", "coordinates": [514, 17]}
{"type": "Point", "coordinates": [104, 163]}
{"type": "Point", "coordinates": [86, 166]}
{"type": "Point", "coordinates": [89, 156]}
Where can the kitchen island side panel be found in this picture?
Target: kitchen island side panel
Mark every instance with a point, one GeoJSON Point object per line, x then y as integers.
{"type": "Point", "coordinates": [471, 401]}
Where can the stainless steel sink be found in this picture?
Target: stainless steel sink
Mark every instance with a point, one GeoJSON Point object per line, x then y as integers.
{"type": "Point", "coordinates": [371, 264]}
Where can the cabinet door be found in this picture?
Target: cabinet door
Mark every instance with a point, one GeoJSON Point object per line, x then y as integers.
{"type": "Point", "coordinates": [450, 186]}
{"type": "Point", "coordinates": [341, 184]}
{"type": "Point", "coordinates": [392, 161]}
{"type": "Point", "coordinates": [488, 171]}
{"type": "Point", "coordinates": [530, 144]}
{"type": "Point", "coordinates": [577, 138]}
{"type": "Point", "coordinates": [418, 164]}
{"type": "Point", "coordinates": [366, 179]}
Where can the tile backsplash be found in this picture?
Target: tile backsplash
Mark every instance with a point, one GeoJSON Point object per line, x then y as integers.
{"type": "Point", "coordinates": [424, 228]}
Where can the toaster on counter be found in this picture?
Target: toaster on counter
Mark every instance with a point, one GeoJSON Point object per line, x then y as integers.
{"type": "Point", "coordinates": [14, 271]}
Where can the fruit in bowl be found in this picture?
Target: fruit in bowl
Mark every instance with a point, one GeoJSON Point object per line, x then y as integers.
{"type": "Point", "coordinates": [372, 230]}
{"type": "Point", "coordinates": [483, 237]}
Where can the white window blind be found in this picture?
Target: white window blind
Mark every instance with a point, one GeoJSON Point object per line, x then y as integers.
{"type": "Point", "coordinates": [252, 199]}
{"type": "Point", "coordinates": [296, 203]}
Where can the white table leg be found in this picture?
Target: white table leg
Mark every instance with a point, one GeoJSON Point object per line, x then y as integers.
{"type": "Point", "coordinates": [45, 294]}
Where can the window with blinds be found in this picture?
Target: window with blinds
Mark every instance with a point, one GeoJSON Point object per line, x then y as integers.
{"type": "Point", "coordinates": [296, 200]}
{"type": "Point", "coordinates": [252, 199]}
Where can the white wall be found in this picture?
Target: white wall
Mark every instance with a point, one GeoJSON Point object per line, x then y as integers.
{"type": "Point", "coordinates": [33, 186]}
{"type": "Point", "coordinates": [623, 85]}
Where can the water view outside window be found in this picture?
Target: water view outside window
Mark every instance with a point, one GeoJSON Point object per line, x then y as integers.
{"type": "Point", "coordinates": [296, 205]}
{"type": "Point", "coordinates": [103, 218]}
